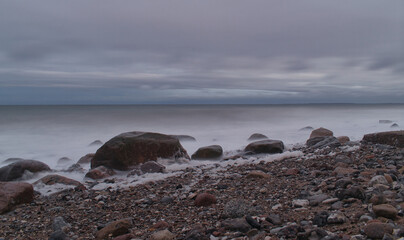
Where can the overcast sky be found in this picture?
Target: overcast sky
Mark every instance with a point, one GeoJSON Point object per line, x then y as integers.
{"type": "Point", "coordinates": [208, 51]}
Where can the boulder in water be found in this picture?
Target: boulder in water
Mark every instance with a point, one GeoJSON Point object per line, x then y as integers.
{"type": "Point", "coordinates": [393, 138]}
{"type": "Point", "coordinates": [394, 125]}
{"type": "Point", "coordinates": [257, 136]}
{"type": "Point", "coordinates": [16, 170]}
{"type": "Point", "coordinates": [14, 193]}
{"type": "Point", "coordinates": [184, 138]}
{"type": "Point", "coordinates": [322, 142]}
{"type": "Point", "coordinates": [343, 139]}
{"type": "Point", "coordinates": [321, 132]}
{"type": "Point", "coordinates": [100, 172]}
{"type": "Point", "coordinates": [308, 128]}
{"type": "Point", "coordinates": [128, 150]}
{"type": "Point", "coordinates": [152, 167]}
{"type": "Point", "coordinates": [385, 121]}
{"type": "Point", "coordinates": [86, 159]}
{"type": "Point", "coordinates": [57, 179]}
{"type": "Point", "coordinates": [265, 146]}
{"type": "Point", "coordinates": [96, 143]}
{"type": "Point", "coordinates": [208, 153]}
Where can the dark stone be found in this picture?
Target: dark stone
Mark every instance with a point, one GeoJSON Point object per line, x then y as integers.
{"type": "Point", "coordinates": [58, 235]}
{"type": "Point", "coordinates": [393, 138]}
{"type": "Point", "coordinates": [320, 219]}
{"type": "Point", "coordinates": [16, 170]}
{"type": "Point", "coordinates": [167, 200]}
{"type": "Point", "coordinates": [152, 167]}
{"type": "Point", "coordinates": [236, 224]}
{"type": "Point", "coordinates": [127, 150]}
{"type": "Point", "coordinates": [308, 128]}
{"type": "Point", "coordinates": [257, 136]}
{"type": "Point", "coordinates": [343, 183]}
{"type": "Point", "coordinates": [13, 194]}
{"type": "Point", "coordinates": [184, 138]}
{"type": "Point", "coordinates": [115, 228]}
{"type": "Point", "coordinates": [99, 173]}
{"type": "Point", "coordinates": [253, 223]}
{"type": "Point", "coordinates": [322, 142]}
{"type": "Point", "coordinates": [290, 231]}
{"type": "Point", "coordinates": [59, 224]}
{"type": "Point", "coordinates": [274, 219]}
{"type": "Point", "coordinates": [96, 143]}
{"type": "Point", "coordinates": [394, 125]}
{"type": "Point", "coordinates": [198, 232]}
{"type": "Point", "coordinates": [352, 192]}
{"type": "Point", "coordinates": [265, 146]}
{"type": "Point", "coordinates": [208, 153]}
{"type": "Point", "coordinates": [343, 158]}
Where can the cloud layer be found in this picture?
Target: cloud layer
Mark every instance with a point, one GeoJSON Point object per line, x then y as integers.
{"type": "Point", "coordinates": [228, 51]}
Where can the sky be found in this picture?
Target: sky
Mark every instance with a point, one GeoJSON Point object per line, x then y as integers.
{"type": "Point", "coordinates": [207, 52]}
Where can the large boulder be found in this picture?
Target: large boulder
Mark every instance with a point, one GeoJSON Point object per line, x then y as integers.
{"type": "Point", "coordinates": [128, 150]}
{"type": "Point", "coordinates": [16, 170]}
{"type": "Point", "coordinates": [321, 132]}
{"type": "Point", "coordinates": [265, 146]}
{"type": "Point", "coordinates": [208, 153]}
{"type": "Point", "coordinates": [14, 193]}
{"type": "Point", "coordinates": [393, 138]}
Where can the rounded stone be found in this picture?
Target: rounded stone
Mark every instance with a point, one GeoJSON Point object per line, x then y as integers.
{"type": "Point", "coordinates": [205, 199]}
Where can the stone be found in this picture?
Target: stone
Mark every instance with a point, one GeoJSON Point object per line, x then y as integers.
{"type": "Point", "coordinates": [377, 199]}
{"type": "Point", "coordinates": [257, 136]}
{"type": "Point", "coordinates": [63, 161]}
{"type": "Point", "coordinates": [275, 219]}
{"type": "Point", "coordinates": [128, 236]}
{"type": "Point", "coordinates": [394, 125]}
{"type": "Point", "coordinates": [308, 128]}
{"type": "Point", "coordinates": [184, 138]}
{"type": "Point", "coordinates": [130, 149]}
{"type": "Point", "coordinates": [59, 224]}
{"type": "Point", "coordinates": [393, 138]}
{"type": "Point", "coordinates": [376, 230]}
{"type": "Point", "coordinates": [343, 158]}
{"type": "Point", "coordinates": [342, 171]}
{"type": "Point", "coordinates": [317, 199]}
{"type": "Point", "coordinates": [162, 235]}
{"type": "Point", "coordinates": [16, 170]}
{"type": "Point", "coordinates": [86, 159]}
{"type": "Point", "coordinates": [379, 179]}
{"type": "Point", "coordinates": [236, 224]}
{"type": "Point", "coordinates": [258, 174]}
{"type": "Point", "coordinates": [385, 210]}
{"type": "Point", "coordinates": [211, 152]}
{"type": "Point", "coordinates": [115, 228]}
{"type": "Point", "coordinates": [352, 192]}
{"type": "Point", "coordinates": [321, 132]}
{"type": "Point", "coordinates": [265, 146]}
{"type": "Point", "coordinates": [300, 203]}
{"type": "Point", "coordinates": [13, 194]}
{"type": "Point", "coordinates": [99, 173]}
{"type": "Point", "coordinates": [343, 139]}
{"type": "Point", "coordinates": [253, 223]}
{"type": "Point", "coordinates": [320, 219]}
{"type": "Point", "coordinates": [385, 121]}
{"type": "Point", "coordinates": [205, 199]}
{"type": "Point", "coordinates": [58, 235]}
{"type": "Point", "coordinates": [75, 168]}
{"type": "Point", "coordinates": [237, 208]}
{"type": "Point", "coordinates": [336, 218]}
{"type": "Point", "coordinates": [96, 143]}
{"type": "Point", "coordinates": [198, 232]}
{"type": "Point", "coordinates": [322, 142]}
{"type": "Point", "coordinates": [57, 179]}
{"type": "Point", "coordinates": [152, 167]}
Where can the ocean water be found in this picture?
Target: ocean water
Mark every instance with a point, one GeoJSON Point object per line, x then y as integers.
{"type": "Point", "coordinates": [48, 133]}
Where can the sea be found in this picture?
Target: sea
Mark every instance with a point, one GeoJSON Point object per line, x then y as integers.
{"type": "Point", "coordinates": [48, 133]}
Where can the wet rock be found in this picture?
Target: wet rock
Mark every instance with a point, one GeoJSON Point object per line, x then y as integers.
{"type": "Point", "coordinates": [13, 194]}
{"type": "Point", "coordinates": [343, 183]}
{"type": "Point", "coordinates": [128, 236]}
{"type": "Point", "coordinates": [257, 136]}
{"type": "Point", "coordinates": [75, 168]}
{"type": "Point", "coordinates": [385, 121]}
{"type": "Point", "coordinates": [393, 138]}
{"type": "Point", "coordinates": [205, 199]}
{"type": "Point", "coordinates": [96, 143]}
{"type": "Point", "coordinates": [208, 153]}
{"type": "Point", "coordinates": [343, 158]}
{"type": "Point", "coordinates": [152, 167]}
{"type": "Point", "coordinates": [320, 219]}
{"type": "Point", "coordinates": [379, 179]}
{"type": "Point", "coordinates": [290, 231]}
{"type": "Point", "coordinates": [184, 138]}
{"type": "Point", "coordinates": [258, 174]}
{"type": "Point", "coordinates": [59, 224]}
{"type": "Point", "coordinates": [321, 132]}
{"type": "Point", "coordinates": [197, 232]}
{"type": "Point", "coordinates": [253, 223]}
{"type": "Point", "coordinates": [343, 139]}
{"type": "Point", "coordinates": [63, 161]}
{"type": "Point", "coordinates": [336, 218]}
{"type": "Point", "coordinates": [385, 210]}
{"type": "Point", "coordinates": [115, 228]}
{"type": "Point", "coordinates": [127, 150]}
{"type": "Point", "coordinates": [376, 230]}
{"type": "Point", "coordinates": [322, 142]}
{"type": "Point", "coordinates": [237, 208]}
{"type": "Point", "coordinates": [16, 170]}
{"type": "Point", "coordinates": [86, 159]}
{"type": "Point", "coordinates": [377, 199]}
{"type": "Point", "coordinates": [352, 192]}
{"type": "Point", "coordinates": [237, 224]}
{"type": "Point", "coordinates": [265, 146]}
{"type": "Point", "coordinates": [100, 172]}
{"type": "Point", "coordinates": [162, 235]}
{"type": "Point", "coordinates": [275, 219]}
{"type": "Point", "coordinates": [57, 179]}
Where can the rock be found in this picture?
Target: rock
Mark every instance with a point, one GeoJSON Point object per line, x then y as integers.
{"type": "Point", "coordinates": [321, 132]}
{"type": "Point", "coordinates": [237, 208]}
{"type": "Point", "coordinates": [317, 199]}
{"type": "Point", "coordinates": [343, 139]}
{"type": "Point", "coordinates": [385, 210]}
{"type": "Point", "coordinates": [258, 174]}
{"type": "Point", "coordinates": [12, 160]}
{"type": "Point", "coordinates": [208, 153]}
{"type": "Point", "coordinates": [299, 203]}
{"type": "Point", "coordinates": [385, 121]}
{"type": "Point", "coordinates": [115, 228]}
{"type": "Point", "coordinates": [308, 128]}
{"type": "Point", "coordinates": [59, 224]}
{"type": "Point", "coordinates": [275, 219]}
{"type": "Point", "coordinates": [322, 142]}
{"type": "Point", "coordinates": [352, 192]}
{"type": "Point", "coordinates": [58, 235]}
{"type": "Point", "coordinates": [184, 138]}
{"type": "Point", "coordinates": [127, 150]}
{"type": "Point", "coordinates": [257, 136]}
{"type": "Point", "coordinates": [128, 236]}
{"type": "Point", "coordinates": [205, 199]}
{"type": "Point", "coordinates": [343, 158]}
{"type": "Point", "coordinates": [96, 143]}
{"type": "Point", "coordinates": [13, 194]}
{"type": "Point", "coordinates": [75, 168]}
{"type": "Point", "coordinates": [377, 199]}
{"type": "Point", "coordinates": [197, 233]}
{"type": "Point", "coordinates": [54, 179]}
{"type": "Point", "coordinates": [320, 219]}
{"type": "Point", "coordinates": [63, 161]}
{"type": "Point", "coordinates": [236, 224]}
{"type": "Point", "coordinates": [253, 223]}
{"type": "Point", "coordinates": [265, 146]}
{"type": "Point", "coordinates": [376, 230]}
{"type": "Point", "coordinates": [152, 167]}
{"type": "Point", "coordinates": [394, 125]}
{"type": "Point", "coordinates": [16, 170]}
{"type": "Point", "coordinates": [162, 235]}
{"type": "Point", "coordinates": [341, 171]}
{"type": "Point", "coordinates": [160, 225]}
{"type": "Point", "coordinates": [100, 172]}
{"type": "Point", "coordinates": [379, 179]}
{"type": "Point", "coordinates": [336, 218]}
{"type": "Point", "coordinates": [393, 138]}
{"type": "Point", "coordinates": [290, 231]}
{"type": "Point", "coordinates": [86, 159]}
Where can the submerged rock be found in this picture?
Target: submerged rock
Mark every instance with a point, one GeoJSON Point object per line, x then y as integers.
{"type": "Point", "coordinates": [152, 167]}
{"type": "Point", "coordinates": [257, 136]}
{"type": "Point", "coordinates": [265, 146]}
{"type": "Point", "coordinates": [393, 138]}
{"type": "Point", "coordinates": [13, 194]}
{"type": "Point", "coordinates": [99, 173]}
{"type": "Point", "coordinates": [57, 179]}
{"type": "Point", "coordinates": [321, 132]}
{"type": "Point", "coordinates": [127, 150]}
{"type": "Point", "coordinates": [86, 159]}
{"type": "Point", "coordinates": [16, 170]}
{"type": "Point", "coordinates": [322, 142]}
{"type": "Point", "coordinates": [96, 143]}
{"type": "Point", "coordinates": [184, 138]}
{"type": "Point", "coordinates": [208, 153]}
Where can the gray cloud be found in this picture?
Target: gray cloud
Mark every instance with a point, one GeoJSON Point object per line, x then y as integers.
{"type": "Point", "coordinates": [304, 51]}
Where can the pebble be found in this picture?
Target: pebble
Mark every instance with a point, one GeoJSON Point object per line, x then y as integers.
{"type": "Point", "coordinates": [205, 199]}
{"type": "Point", "coordinates": [300, 203]}
{"type": "Point", "coordinates": [162, 235]}
{"type": "Point", "coordinates": [385, 210]}
{"type": "Point", "coordinates": [377, 230]}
